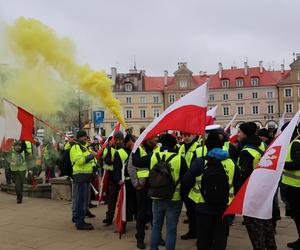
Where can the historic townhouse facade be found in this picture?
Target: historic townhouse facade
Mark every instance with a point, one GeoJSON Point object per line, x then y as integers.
{"type": "Point", "coordinates": [252, 92]}
{"type": "Point", "coordinates": [289, 90]}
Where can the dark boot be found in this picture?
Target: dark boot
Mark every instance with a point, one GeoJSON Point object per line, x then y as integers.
{"type": "Point", "coordinates": [140, 244]}
{"type": "Point", "coordinates": [19, 199]}
{"type": "Point", "coordinates": [90, 215]}
{"type": "Point", "coordinates": [84, 226]}
{"type": "Point", "coordinates": [108, 222]}
{"type": "Point", "coordinates": [189, 235]}
{"type": "Point", "coordinates": [294, 244]}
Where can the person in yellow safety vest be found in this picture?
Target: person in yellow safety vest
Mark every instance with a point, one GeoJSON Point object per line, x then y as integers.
{"type": "Point", "coordinates": [122, 176]}
{"type": "Point", "coordinates": [165, 208]}
{"type": "Point", "coordinates": [83, 162]}
{"type": "Point", "coordinates": [113, 186]}
{"type": "Point", "coordinates": [261, 232]}
{"type": "Point", "coordinates": [290, 182]}
{"type": "Point", "coordinates": [139, 179]}
{"type": "Point", "coordinates": [18, 167]}
{"type": "Point", "coordinates": [212, 230]}
{"type": "Point", "coordinates": [188, 152]}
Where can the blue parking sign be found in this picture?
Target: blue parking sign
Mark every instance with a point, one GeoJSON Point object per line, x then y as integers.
{"type": "Point", "coordinates": [98, 117]}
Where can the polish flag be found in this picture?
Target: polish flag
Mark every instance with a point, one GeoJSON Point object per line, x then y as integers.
{"type": "Point", "coordinates": [228, 126]}
{"type": "Point", "coordinates": [255, 198]}
{"type": "Point", "coordinates": [211, 115]}
{"type": "Point", "coordinates": [185, 115]}
{"type": "Point", "coordinates": [18, 123]}
{"type": "Point", "coordinates": [121, 210]}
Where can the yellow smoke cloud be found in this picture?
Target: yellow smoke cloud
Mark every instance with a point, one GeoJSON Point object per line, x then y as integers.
{"type": "Point", "coordinates": [38, 44]}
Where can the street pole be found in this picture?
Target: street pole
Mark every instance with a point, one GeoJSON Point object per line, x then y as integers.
{"type": "Point", "coordinates": [79, 115]}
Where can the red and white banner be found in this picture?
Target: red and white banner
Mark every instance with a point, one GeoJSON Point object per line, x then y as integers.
{"type": "Point", "coordinates": [255, 198]}
{"type": "Point", "coordinates": [185, 115]}
{"type": "Point", "coordinates": [19, 123]}
{"type": "Point", "coordinates": [211, 115]}
{"type": "Point", "coordinates": [121, 210]}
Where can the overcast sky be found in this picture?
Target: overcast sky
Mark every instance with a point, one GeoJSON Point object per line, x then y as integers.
{"type": "Point", "coordinates": [160, 33]}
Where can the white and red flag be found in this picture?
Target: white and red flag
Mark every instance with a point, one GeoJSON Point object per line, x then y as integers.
{"type": "Point", "coordinates": [185, 115]}
{"type": "Point", "coordinates": [121, 206]}
{"type": "Point", "coordinates": [255, 198]}
{"type": "Point", "coordinates": [211, 115]}
{"type": "Point", "coordinates": [19, 123]}
{"type": "Point", "coordinates": [280, 124]}
{"type": "Point", "coordinates": [228, 126]}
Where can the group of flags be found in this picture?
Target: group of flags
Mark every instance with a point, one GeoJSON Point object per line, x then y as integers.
{"type": "Point", "coordinates": [189, 114]}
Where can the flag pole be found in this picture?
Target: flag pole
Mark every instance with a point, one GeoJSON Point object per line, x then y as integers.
{"type": "Point", "coordinates": [40, 120]}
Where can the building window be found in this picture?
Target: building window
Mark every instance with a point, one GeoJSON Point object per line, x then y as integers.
{"type": "Point", "coordinates": [128, 99]}
{"type": "Point", "coordinates": [269, 94]}
{"type": "Point", "coordinates": [287, 92]}
{"type": "Point", "coordinates": [128, 87]}
{"type": "Point", "coordinates": [211, 97]}
{"type": "Point", "coordinates": [254, 81]}
{"type": "Point", "coordinates": [254, 95]}
{"type": "Point", "coordinates": [288, 107]}
{"type": "Point", "coordinates": [156, 112]}
{"type": "Point", "coordinates": [225, 83]}
{"type": "Point", "coordinates": [143, 99]}
{"type": "Point", "coordinates": [298, 91]}
{"type": "Point", "coordinates": [183, 84]}
{"type": "Point", "coordinates": [298, 76]}
{"type": "Point", "coordinates": [239, 82]}
{"type": "Point", "coordinates": [270, 109]}
{"type": "Point", "coordinates": [240, 96]}
{"type": "Point", "coordinates": [225, 97]}
{"type": "Point", "coordinates": [143, 113]}
{"type": "Point", "coordinates": [255, 110]}
{"type": "Point", "coordinates": [156, 99]}
{"type": "Point", "coordinates": [128, 114]}
{"type": "Point", "coordinates": [171, 98]}
{"type": "Point", "coordinates": [240, 110]}
{"type": "Point", "coordinates": [226, 110]}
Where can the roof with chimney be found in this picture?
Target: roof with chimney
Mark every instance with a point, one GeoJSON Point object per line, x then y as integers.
{"type": "Point", "coordinates": [265, 78]}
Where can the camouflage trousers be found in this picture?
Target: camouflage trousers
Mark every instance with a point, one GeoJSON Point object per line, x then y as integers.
{"type": "Point", "coordinates": [261, 233]}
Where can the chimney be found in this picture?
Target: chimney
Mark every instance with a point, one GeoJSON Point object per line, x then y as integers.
{"type": "Point", "coordinates": [246, 68]}
{"type": "Point", "coordinates": [165, 78]}
{"type": "Point", "coordinates": [113, 75]}
{"type": "Point", "coordinates": [282, 68]}
{"type": "Point", "coordinates": [220, 70]}
{"type": "Point", "coordinates": [260, 66]}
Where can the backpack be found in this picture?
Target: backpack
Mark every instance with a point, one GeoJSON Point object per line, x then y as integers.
{"type": "Point", "coordinates": [214, 183]}
{"type": "Point", "coordinates": [66, 167]}
{"type": "Point", "coordinates": [161, 183]}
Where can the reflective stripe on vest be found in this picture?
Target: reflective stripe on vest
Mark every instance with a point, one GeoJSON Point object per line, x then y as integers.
{"type": "Point", "coordinates": [195, 193]}
{"type": "Point", "coordinates": [123, 156]}
{"type": "Point", "coordinates": [143, 172]}
{"type": "Point", "coordinates": [112, 151]}
{"type": "Point", "coordinates": [291, 177]}
{"type": "Point", "coordinates": [77, 157]}
{"type": "Point", "coordinates": [255, 154]}
{"type": "Point", "coordinates": [28, 147]}
{"type": "Point", "coordinates": [175, 164]}
{"type": "Point", "coordinates": [188, 156]}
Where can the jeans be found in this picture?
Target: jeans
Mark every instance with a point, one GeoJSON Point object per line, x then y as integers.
{"type": "Point", "coordinates": [81, 190]}
{"type": "Point", "coordinates": [160, 209]}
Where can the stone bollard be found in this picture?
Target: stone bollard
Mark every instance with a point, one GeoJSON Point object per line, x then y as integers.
{"type": "Point", "coordinates": [61, 188]}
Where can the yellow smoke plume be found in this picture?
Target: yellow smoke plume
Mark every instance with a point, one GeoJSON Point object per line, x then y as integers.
{"type": "Point", "coordinates": [38, 44]}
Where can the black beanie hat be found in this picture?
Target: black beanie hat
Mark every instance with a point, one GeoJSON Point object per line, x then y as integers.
{"type": "Point", "coordinates": [167, 140]}
{"type": "Point", "coordinates": [248, 128]}
{"type": "Point", "coordinates": [264, 132]}
{"type": "Point", "coordinates": [119, 135]}
{"type": "Point", "coordinates": [80, 133]}
{"type": "Point", "coordinates": [129, 137]}
{"type": "Point", "coordinates": [213, 141]}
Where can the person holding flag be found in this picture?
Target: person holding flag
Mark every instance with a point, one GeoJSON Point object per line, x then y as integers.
{"type": "Point", "coordinates": [113, 186]}
{"type": "Point", "coordinates": [120, 166]}
{"type": "Point", "coordinates": [260, 231]}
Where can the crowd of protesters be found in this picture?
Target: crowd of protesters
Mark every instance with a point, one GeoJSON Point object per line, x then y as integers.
{"type": "Point", "coordinates": [195, 166]}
